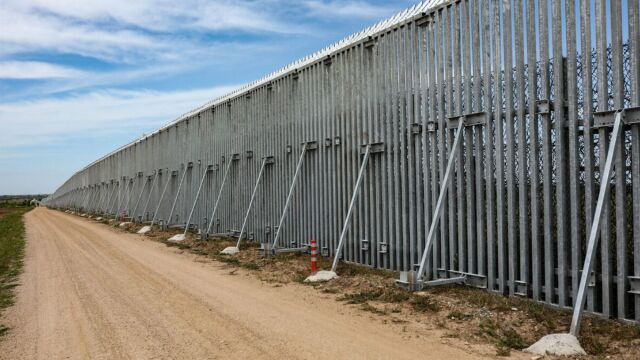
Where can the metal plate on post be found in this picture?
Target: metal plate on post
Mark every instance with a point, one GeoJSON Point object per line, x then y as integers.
{"type": "Point", "coordinates": [472, 119]}
{"type": "Point", "coordinates": [328, 142]}
{"type": "Point", "coordinates": [634, 285]}
{"type": "Point", "coordinates": [544, 107]}
{"type": "Point", "coordinates": [364, 245]}
{"type": "Point", "coordinates": [249, 154]}
{"type": "Point", "coordinates": [630, 116]}
{"type": "Point", "coordinates": [324, 251]}
{"type": "Point", "coordinates": [311, 145]}
{"type": "Point", "coordinates": [235, 157]}
{"type": "Point", "coordinates": [269, 160]}
{"type": "Point", "coordinates": [416, 129]}
{"type": "Point", "coordinates": [375, 148]}
{"type": "Point", "coordinates": [370, 42]}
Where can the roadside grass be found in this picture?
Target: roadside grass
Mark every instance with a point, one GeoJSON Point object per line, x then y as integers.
{"type": "Point", "coordinates": [11, 256]}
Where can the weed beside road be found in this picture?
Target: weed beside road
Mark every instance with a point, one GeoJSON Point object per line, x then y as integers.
{"type": "Point", "coordinates": [12, 242]}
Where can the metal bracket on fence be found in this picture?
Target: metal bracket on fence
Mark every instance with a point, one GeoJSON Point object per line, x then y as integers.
{"type": "Point", "coordinates": [265, 161]}
{"type": "Point", "coordinates": [521, 288]}
{"type": "Point", "coordinates": [417, 278]}
{"type": "Point", "coordinates": [634, 285]}
{"type": "Point", "coordinates": [472, 119]}
{"type": "Point", "coordinates": [234, 158]}
{"type": "Point", "coordinates": [607, 118]}
{"type": "Point", "coordinates": [308, 146]}
{"type": "Point", "coordinates": [544, 107]}
{"type": "Point", "coordinates": [592, 242]}
{"type": "Point", "coordinates": [366, 151]}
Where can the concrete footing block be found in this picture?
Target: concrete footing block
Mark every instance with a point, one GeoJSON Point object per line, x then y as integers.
{"type": "Point", "coordinates": [321, 276]}
{"type": "Point", "coordinates": [177, 238]}
{"type": "Point", "coordinates": [230, 250]}
{"type": "Point", "coordinates": [557, 344]}
{"type": "Point", "coordinates": [144, 230]}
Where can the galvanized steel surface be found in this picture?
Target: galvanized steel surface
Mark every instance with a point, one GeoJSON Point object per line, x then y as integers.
{"type": "Point", "coordinates": [532, 81]}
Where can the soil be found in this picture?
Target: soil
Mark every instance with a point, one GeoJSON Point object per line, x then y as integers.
{"type": "Point", "coordinates": [450, 318]}
{"type": "Point", "coordinates": [95, 291]}
{"type": "Point", "coordinates": [471, 316]}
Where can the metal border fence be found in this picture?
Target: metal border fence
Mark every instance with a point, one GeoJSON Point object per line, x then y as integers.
{"type": "Point", "coordinates": [532, 83]}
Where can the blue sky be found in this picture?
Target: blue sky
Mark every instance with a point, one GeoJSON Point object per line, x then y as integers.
{"type": "Point", "coordinates": [80, 78]}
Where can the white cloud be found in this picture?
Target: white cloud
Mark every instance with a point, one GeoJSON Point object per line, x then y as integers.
{"type": "Point", "coordinates": [100, 113]}
{"type": "Point", "coordinates": [35, 70]}
{"type": "Point", "coordinates": [29, 31]}
{"type": "Point", "coordinates": [348, 8]}
{"type": "Point", "coordinates": [125, 30]}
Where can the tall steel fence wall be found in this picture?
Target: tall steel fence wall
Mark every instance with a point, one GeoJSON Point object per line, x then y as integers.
{"type": "Point", "coordinates": [530, 79]}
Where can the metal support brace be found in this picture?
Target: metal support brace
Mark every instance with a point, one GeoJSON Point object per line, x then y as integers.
{"type": "Point", "coordinates": [195, 201]}
{"type": "Point", "coordinates": [166, 185]}
{"type": "Point", "coordinates": [438, 210]}
{"type": "Point", "coordinates": [265, 161]}
{"type": "Point", "coordinates": [96, 205]}
{"type": "Point", "coordinates": [305, 146]}
{"type": "Point", "coordinates": [153, 186]}
{"type": "Point", "coordinates": [121, 196]}
{"type": "Point", "coordinates": [605, 178]}
{"type": "Point", "coordinates": [107, 210]}
{"type": "Point", "coordinates": [127, 198]}
{"type": "Point", "coordinates": [215, 205]}
{"type": "Point", "coordinates": [135, 208]}
{"type": "Point", "coordinates": [98, 198]}
{"type": "Point", "coordinates": [175, 200]}
{"type": "Point", "coordinates": [367, 150]}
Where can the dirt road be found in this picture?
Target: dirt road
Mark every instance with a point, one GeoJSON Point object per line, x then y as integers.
{"type": "Point", "coordinates": [89, 291]}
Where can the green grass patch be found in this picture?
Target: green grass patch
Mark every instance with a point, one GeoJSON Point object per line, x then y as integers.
{"type": "Point", "coordinates": [11, 256]}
